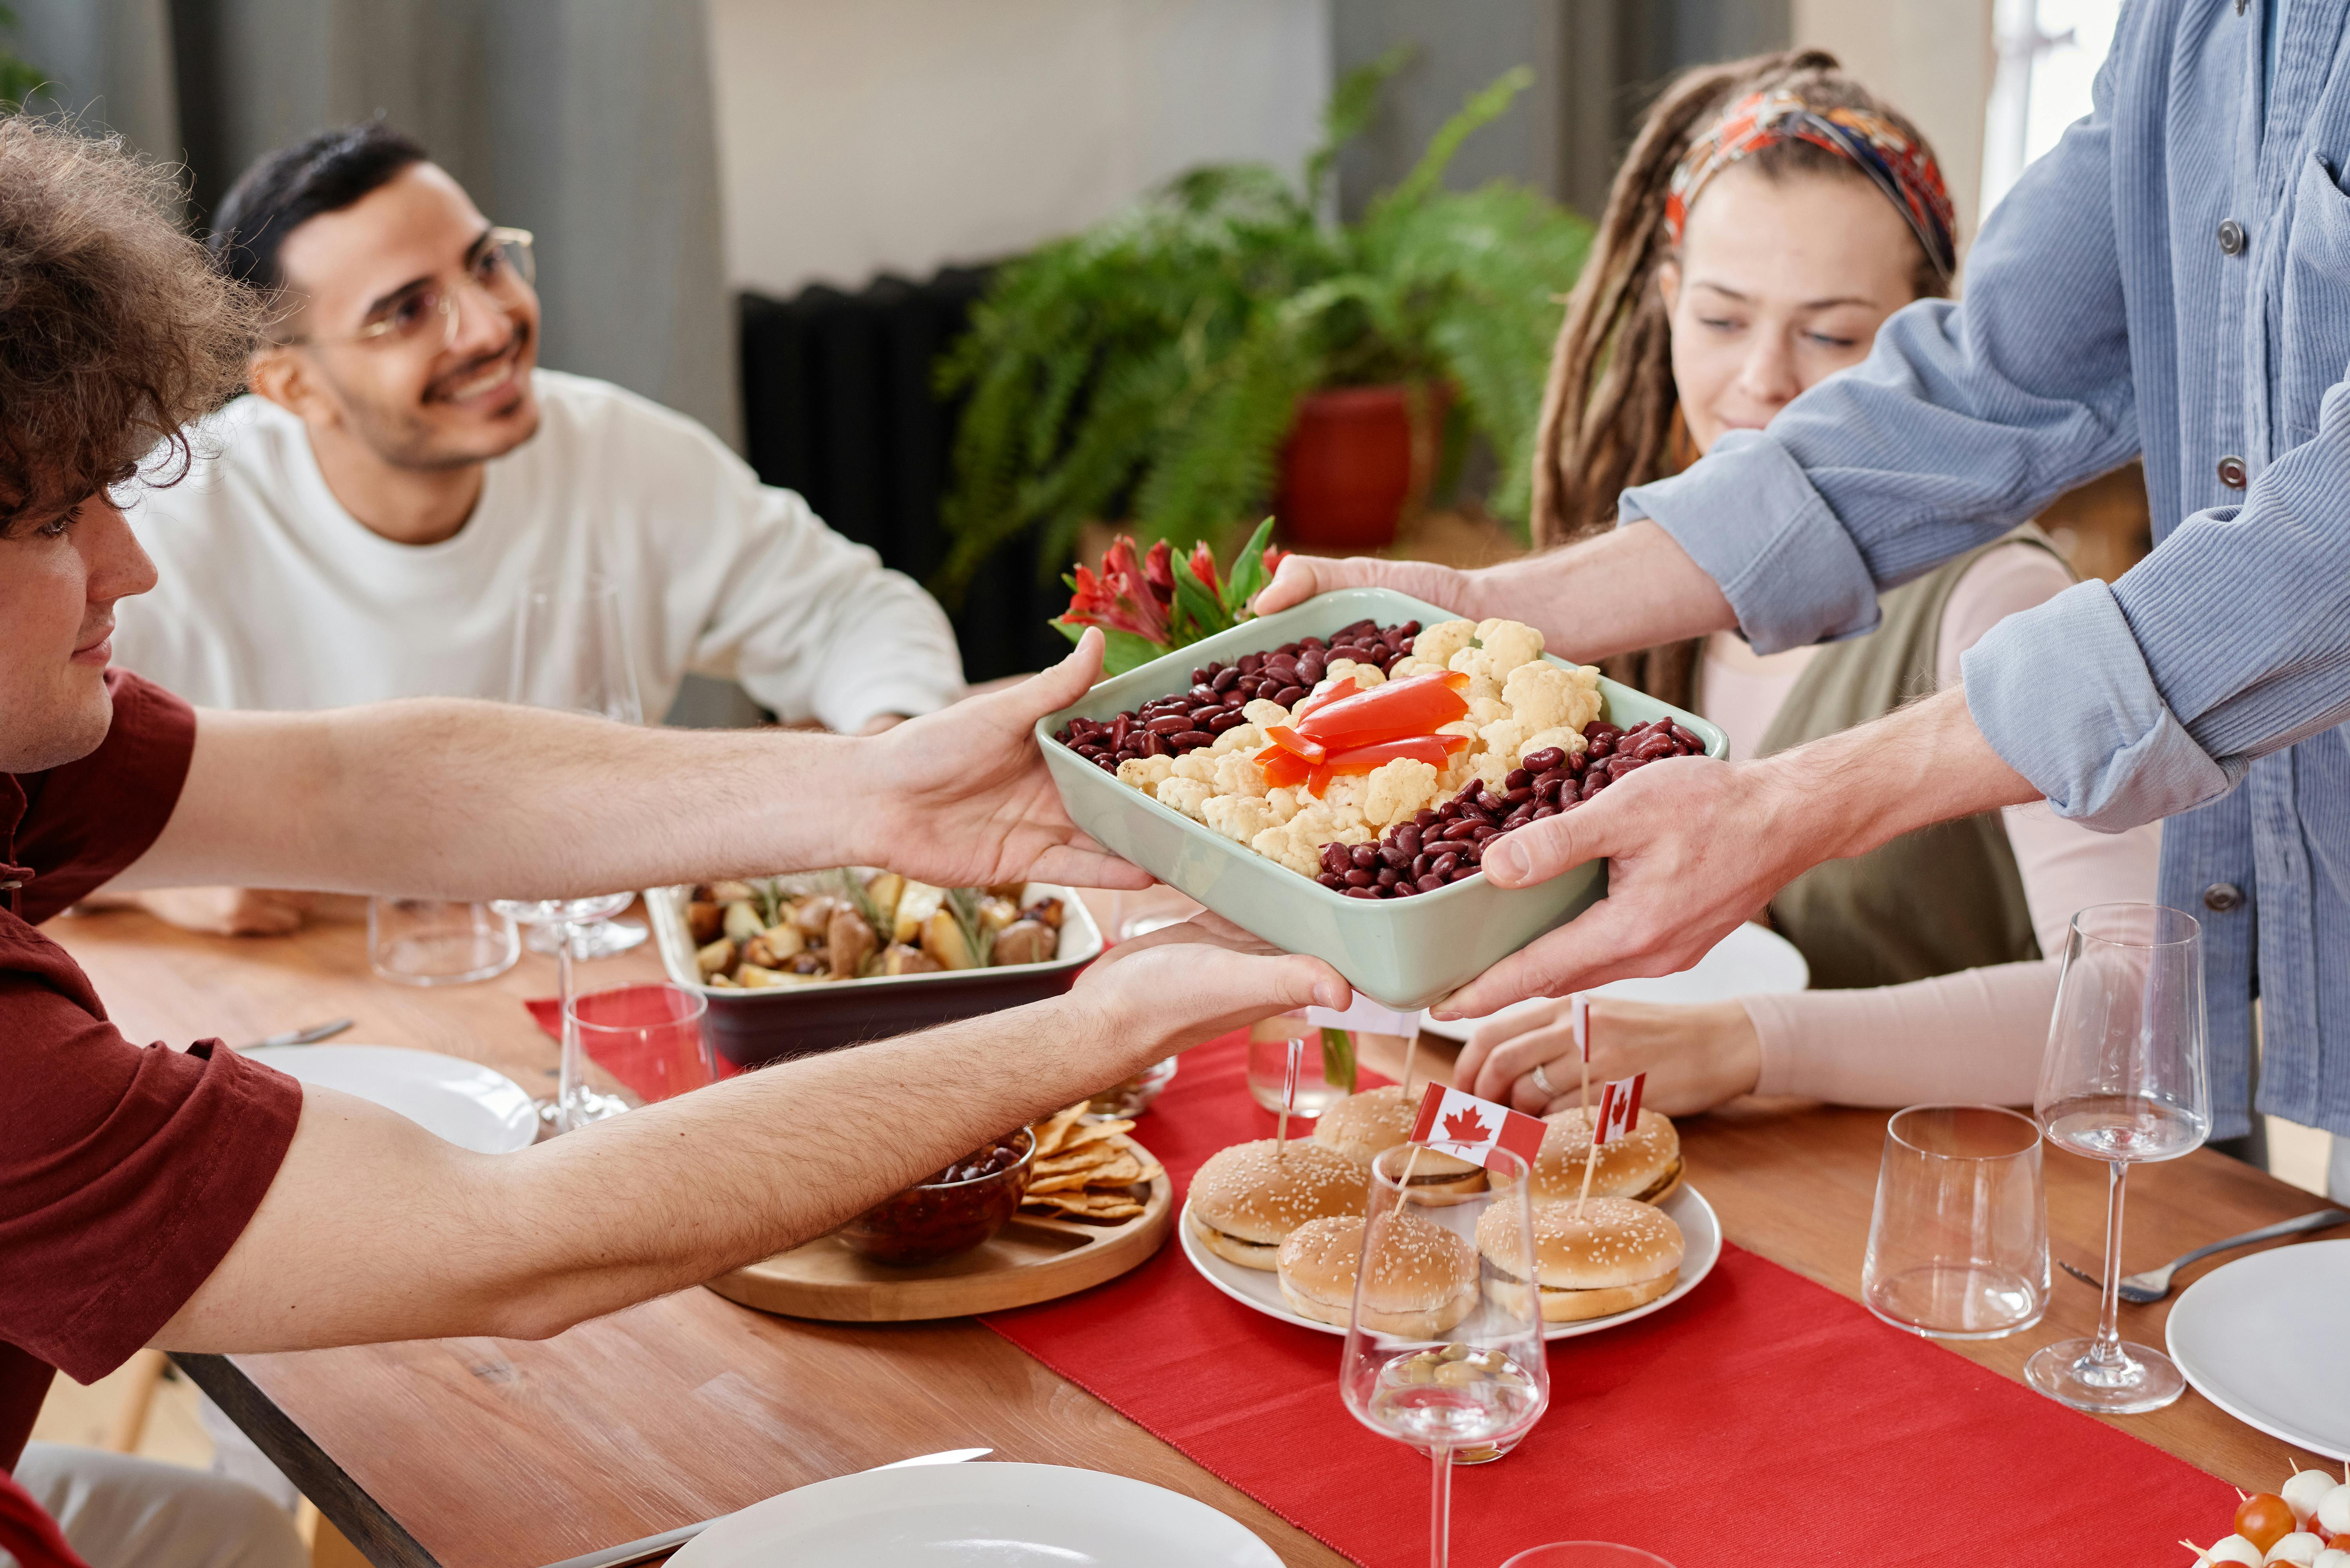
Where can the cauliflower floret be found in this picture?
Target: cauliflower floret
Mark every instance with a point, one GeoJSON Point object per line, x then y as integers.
{"type": "Point", "coordinates": [1238, 817]}
{"type": "Point", "coordinates": [1541, 696]}
{"type": "Point", "coordinates": [1505, 740]}
{"type": "Point", "coordinates": [1284, 802]}
{"type": "Point", "coordinates": [1397, 789]}
{"type": "Point", "coordinates": [1484, 711]}
{"type": "Point", "coordinates": [1405, 669]}
{"type": "Point", "coordinates": [1364, 676]}
{"type": "Point", "coordinates": [1485, 681]}
{"type": "Point", "coordinates": [1437, 644]}
{"type": "Point", "coordinates": [1320, 822]}
{"type": "Point", "coordinates": [1239, 738]}
{"type": "Point", "coordinates": [1564, 738]}
{"type": "Point", "coordinates": [1509, 643]}
{"type": "Point", "coordinates": [1282, 845]}
{"type": "Point", "coordinates": [1263, 711]}
{"type": "Point", "coordinates": [1491, 769]}
{"type": "Point", "coordinates": [1199, 765]}
{"type": "Point", "coordinates": [1187, 796]}
{"type": "Point", "coordinates": [1238, 775]}
{"type": "Point", "coordinates": [1146, 774]}
{"type": "Point", "coordinates": [1346, 792]}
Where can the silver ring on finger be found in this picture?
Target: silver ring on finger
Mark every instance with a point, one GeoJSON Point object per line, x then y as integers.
{"type": "Point", "coordinates": [1542, 1080]}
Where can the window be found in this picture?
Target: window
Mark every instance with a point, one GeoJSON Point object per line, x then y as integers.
{"type": "Point", "coordinates": [2049, 52]}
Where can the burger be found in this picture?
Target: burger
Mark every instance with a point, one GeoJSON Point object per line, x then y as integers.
{"type": "Point", "coordinates": [1614, 1256]}
{"type": "Point", "coordinates": [1247, 1198]}
{"type": "Point", "coordinates": [1360, 1126]}
{"type": "Point", "coordinates": [1644, 1163]}
{"type": "Point", "coordinates": [1424, 1277]}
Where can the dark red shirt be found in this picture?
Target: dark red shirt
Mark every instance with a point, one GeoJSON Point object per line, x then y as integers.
{"type": "Point", "coordinates": [126, 1172]}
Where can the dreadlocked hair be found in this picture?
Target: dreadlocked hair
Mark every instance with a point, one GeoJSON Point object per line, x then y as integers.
{"type": "Point", "coordinates": [1610, 414]}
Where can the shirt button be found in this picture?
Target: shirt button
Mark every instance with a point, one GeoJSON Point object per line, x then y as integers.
{"type": "Point", "coordinates": [2232, 237]}
{"type": "Point", "coordinates": [2221, 896]}
{"type": "Point", "coordinates": [2231, 471]}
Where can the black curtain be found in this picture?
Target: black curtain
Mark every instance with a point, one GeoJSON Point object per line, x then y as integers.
{"type": "Point", "coordinates": [839, 403]}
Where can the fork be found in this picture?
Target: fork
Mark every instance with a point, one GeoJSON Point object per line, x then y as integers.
{"type": "Point", "coordinates": [2154, 1284]}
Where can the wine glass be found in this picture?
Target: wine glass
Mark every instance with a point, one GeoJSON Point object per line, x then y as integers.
{"type": "Point", "coordinates": [2123, 1081]}
{"type": "Point", "coordinates": [1470, 1374]}
{"type": "Point", "coordinates": [573, 1104]}
{"type": "Point", "coordinates": [571, 652]}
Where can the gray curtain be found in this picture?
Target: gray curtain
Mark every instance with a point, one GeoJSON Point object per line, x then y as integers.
{"type": "Point", "coordinates": [586, 121]}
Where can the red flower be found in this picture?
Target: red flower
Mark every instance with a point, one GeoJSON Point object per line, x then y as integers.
{"type": "Point", "coordinates": [1274, 555]}
{"type": "Point", "coordinates": [1124, 597]}
{"type": "Point", "coordinates": [1203, 566]}
{"type": "Point", "coordinates": [1158, 568]}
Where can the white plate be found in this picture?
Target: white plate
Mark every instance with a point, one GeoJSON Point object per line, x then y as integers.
{"type": "Point", "coordinates": [977, 1516]}
{"type": "Point", "coordinates": [461, 1101]}
{"type": "Point", "coordinates": [1752, 960]}
{"type": "Point", "coordinates": [1261, 1289]}
{"type": "Point", "coordinates": [2261, 1339]}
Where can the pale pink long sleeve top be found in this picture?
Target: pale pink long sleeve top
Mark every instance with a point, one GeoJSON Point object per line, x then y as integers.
{"type": "Point", "coordinates": [1975, 1035]}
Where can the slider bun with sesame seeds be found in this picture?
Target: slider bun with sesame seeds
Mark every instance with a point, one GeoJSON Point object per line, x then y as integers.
{"type": "Point", "coordinates": [1644, 1163]}
{"type": "Point", "coordinates": [1618, 1255]}
{"type": "Point", "coordinates": [1424, 1277]}
{"type": "Point", "coordinates": [1247, 1198]}
{"type": "Point", "coordinates": [1360, 1126]}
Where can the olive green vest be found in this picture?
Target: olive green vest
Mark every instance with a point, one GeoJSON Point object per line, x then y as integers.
{"type": "Point", "coordinates": [1934, 901]}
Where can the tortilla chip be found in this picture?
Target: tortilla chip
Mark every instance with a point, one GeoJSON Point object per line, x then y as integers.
{"type": "Point", "coordinates": [1054, 1130]}
{"type": "Point", "coordinates": [1092, 1132]}
{"type": "Point", "coordinates": [1093, 1156]}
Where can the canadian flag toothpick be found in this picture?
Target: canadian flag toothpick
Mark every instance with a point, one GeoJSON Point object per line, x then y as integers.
{"type": "Point", "coordinates": [1467, 1128]}
{"type": "Point", "coordinates": [1578, 1018]}
{"type": "Point", "coordinates": [1620, 1113]}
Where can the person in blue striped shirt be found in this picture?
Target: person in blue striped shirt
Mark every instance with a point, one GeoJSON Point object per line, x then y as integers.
{"type": "Point", "coordinates": [2171, 282]}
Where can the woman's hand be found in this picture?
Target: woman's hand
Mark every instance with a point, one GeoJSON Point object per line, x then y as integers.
{"type": "Point", "coordinates": [1181, 984]}
{"type": "Point", "coordinates": [1696, 1055]}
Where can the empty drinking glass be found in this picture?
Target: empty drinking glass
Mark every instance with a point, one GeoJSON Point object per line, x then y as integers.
{"type": "Point", "coordinates": [2124, 1081]}
{"type": "Point", "coordinates": [425, 942]}
{"type": "Point", "coordinates": [650, 1036]}
{"type": "Point", "coordinates": [1586, 1555]}
{"type": "Point", "coordinates": [1268, 1066]}
{"type": "Point", "coordinates": [1958, 1247]}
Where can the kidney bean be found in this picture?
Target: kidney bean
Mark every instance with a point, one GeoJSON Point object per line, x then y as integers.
{"type": "Point", "coordinates": [1310, 668]}
{"type": "Point", "coordinates": [1480, 834]}
{"type": "Point", "coordinates": [1198, 677]}
{"type": "Point", "coordinates": [1518, 818]}
{"type": "Point", "coordinates": [1363, 856]}
{"type": "Point", "coordinates": [1520, 796]}
{"type": "Point", "coordinates": [1406, 889]}
{"type": "Point", "coordinates": [1544, 760]}
{"type": "Point", "coordinates": [1545, 809]}
{"type": "Point", "coordinates": [1362, 892]}
{"type": "Point", "coordinates": [1442, 865]}
{"type": "Point", "coordinates": [1106, 765]}
{"type": "Point", "coordinates": [1458, 830]}
{"type": "Point", "coordinates": [1200, 695]}
{"type": "Point", "coordinates": [1168, 723]}
{"type": "Point", "coordinates": [1592, 782]}
{"type": "Point", "coordinates": [1519, 778]}
{"type": "Point", "coordinates": [1205, 711]}
{"type": "Point", "coordinates": [1224, 680]}
{"type": "Point", "coordinates": [1424, 819]}
{"type": "Point", "coordinates": [1335, 857]}
{"type": "Point", "coordinates": [1155, 744]}
{"type": "Point", "coordinates": [1358, 878]}
{"type": "Point", "coordinates": [1429, 883]}
{"type": "Point", "coordinates": [1389, 876]}
{"type": "Point", "coordinates": [1331, 879]}
{"type": "Point", "coordinates": [1393, 855]}
{"type": "Point", "coordinates": [1226, 719]}
{"type": "Point", "coordinates": [1406, 838]}
{"type": "Point", "coordinates": [1421, 863]}
{"type": "Point", "coordinates": [1289, 696]}
{"type": "Point", "coordinates": [1192, 740]}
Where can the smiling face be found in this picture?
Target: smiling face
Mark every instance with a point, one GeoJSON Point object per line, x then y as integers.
{"type": "Point", "coordinates": [1779, 284]}
{"type": "Point", "coordinates": [413, 398]}
{"type": "Point", "coordinates": [60, 578]}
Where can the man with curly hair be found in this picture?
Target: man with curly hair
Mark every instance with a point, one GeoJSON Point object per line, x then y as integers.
{"type": "Point", "coordinates": [366, 522]}
{"type": "Point", "coordinates": [196, 1200]}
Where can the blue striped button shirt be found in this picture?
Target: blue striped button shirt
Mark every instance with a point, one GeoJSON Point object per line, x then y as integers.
{"type": "Point", "coordinates": [2108, 316]}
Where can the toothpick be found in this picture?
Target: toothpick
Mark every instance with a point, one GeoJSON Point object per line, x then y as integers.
{"type": "Point", "coordinates": [1590, 1163]}
{"type": "Point", "coordinates": [1582, 1006]}
{"type": "Point", "coordinates": [1410, 1044]}
{"type": "Point", "coordinates": [1288, 1097]}
{"type": "Point", "coordinates": [1404, 1181]}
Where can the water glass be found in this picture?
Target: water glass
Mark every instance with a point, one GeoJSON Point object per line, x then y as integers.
{"type": "Point", "coordinates": [573, 1104]}
{"type": "Point", "coordinates": [2124, 1081]}
{"type": "Point", "coordinates": [650, 1036]}
{"type": "Point", "coordinates": [1958, 1247]}
{"type": "Point", "coordinates": [1268, 1066]}
{"type": "Point", "coordinates": [426, 942]}
{"type": "Point", "coordinates": [1469, 1372]}
{"type": "Point", "coordinates": [1586, 1555]}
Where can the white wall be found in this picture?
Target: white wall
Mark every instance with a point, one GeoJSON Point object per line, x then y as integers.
{"type": "Point", "coordinates": [1932, 59]}
{"type": "Point", "coordinates": [900, 134]}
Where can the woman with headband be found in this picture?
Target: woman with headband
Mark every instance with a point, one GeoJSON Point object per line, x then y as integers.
{"type": "Point", "coordinates": [1768, 218]}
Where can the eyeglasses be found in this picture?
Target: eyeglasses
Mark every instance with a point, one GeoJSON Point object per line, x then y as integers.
{"type": "Point", "coordinates": [504, 268]}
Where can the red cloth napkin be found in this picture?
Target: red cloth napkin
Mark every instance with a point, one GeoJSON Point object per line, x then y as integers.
{"type": "Point", "coordinates": [1763, 1419]}
{"type": "Point", "coordinates": [28, 1533]}
{"type": "Point", "coordinates": [648, 1073]}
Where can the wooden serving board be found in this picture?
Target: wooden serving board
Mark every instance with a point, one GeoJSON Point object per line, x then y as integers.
{"type": "Point", "coordinates": [1034, 1258]}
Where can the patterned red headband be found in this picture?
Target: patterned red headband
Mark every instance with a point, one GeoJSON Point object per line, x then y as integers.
{"type": "Point", "coordinates": [1895, 164]}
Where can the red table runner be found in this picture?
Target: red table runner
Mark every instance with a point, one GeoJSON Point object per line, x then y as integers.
{"type": "Point", "coordinates": [1763, 1419]}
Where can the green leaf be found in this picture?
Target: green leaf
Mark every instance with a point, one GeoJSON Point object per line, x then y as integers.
{"type": "Point", "coordinates": [1127, 651]}
{"type": "Point", "coordinates": [1199, 613]}
{"type": "Point", "coordinates": [1247, 576]}
{"type": "Point", "coordinates": [1338, 1058]}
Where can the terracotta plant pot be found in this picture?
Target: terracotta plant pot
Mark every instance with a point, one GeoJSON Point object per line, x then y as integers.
{"type": "Point", "coordinates": [1356, 457]}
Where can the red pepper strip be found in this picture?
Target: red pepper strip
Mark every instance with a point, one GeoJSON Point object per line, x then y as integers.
{"type": "Point", "coordinates": [1339, 690]}
{"type": "Point", "coordinates": [1317, 783]}
{"type": "Point", "coordinates": [1282, 770]}
{"type": "Point", "coordinates": [1433, 750]}
{"type": "Point", "coordinates": [1289, 740]}
{"type": "Point", "coordinates": [1418, 706]}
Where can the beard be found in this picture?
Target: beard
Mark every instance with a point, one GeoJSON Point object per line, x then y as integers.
{"type": "Point", "coordinates": [408, 436]}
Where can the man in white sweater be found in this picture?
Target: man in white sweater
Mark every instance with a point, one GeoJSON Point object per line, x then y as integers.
{"type": "Point", "coordinates": [363, 524]}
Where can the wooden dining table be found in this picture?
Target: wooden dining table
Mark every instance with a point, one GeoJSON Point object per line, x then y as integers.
{"type": "Point", "coordinates": [490, 1453]}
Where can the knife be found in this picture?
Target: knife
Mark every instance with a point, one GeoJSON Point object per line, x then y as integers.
{"type": "Point", "coordinates": [630, 1553]}
{"type": "Point", "coordinates": [311, 1036]}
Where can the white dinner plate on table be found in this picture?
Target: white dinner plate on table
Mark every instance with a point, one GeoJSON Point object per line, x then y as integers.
{"type": "Point", "coordinates": [463, 1102]}
{"type": "Point", "coordinates": [1752, 961]}
{"type": "Point", "coordinates": [2263, 1339]}
{"type": "Point", "coordinates": [978, 1516]}
{"type": "Point", "coordinates": [1261, 1288]}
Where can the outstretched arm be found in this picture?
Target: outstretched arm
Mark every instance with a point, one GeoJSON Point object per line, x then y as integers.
{"type": "Point", "coordinates": [375, 1229]}
{"type": "Point", "coordinates": [479, 800]}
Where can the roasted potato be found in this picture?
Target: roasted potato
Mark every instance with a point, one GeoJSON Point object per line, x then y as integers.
{"type": "Point", "coordinates": [883, 893]}
{"type": "Point", "coordinates": [994, 913]}
{"type": "Point", "coordinates": [714, 957]}
{"type": "Point", "coordinates": [942, 939]}
{"type": "Point", "coordinates": [899, 959]}
{"type": "Point", "coordinates": [813, 914]}
{"type": "Point", "coordinates": [705, 920]}
{"type": "Point", "coordinates": [1025, 941]}
{"type": "Point", "coordinates": [1044, 912]}
{"type": "Point", "coordinates": [850, 941]}
{"type": "Point", "coordinates": [741, 921]}
{"type": "Point", "coordinates": [916, 905]}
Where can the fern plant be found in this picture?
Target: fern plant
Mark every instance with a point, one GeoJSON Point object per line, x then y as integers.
{"type": "Point", "coordinates": [1148, 369]}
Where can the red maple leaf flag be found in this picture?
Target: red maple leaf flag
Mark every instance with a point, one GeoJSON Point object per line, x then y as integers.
{"type": "Point", "coordinates": [1619, 1108]}
{"type": "Point", "coordinates": [1467, 1128]}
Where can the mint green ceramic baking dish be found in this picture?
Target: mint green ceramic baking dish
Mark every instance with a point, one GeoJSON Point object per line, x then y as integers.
{"type": "Point", "coordinates": [1404, 952]}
